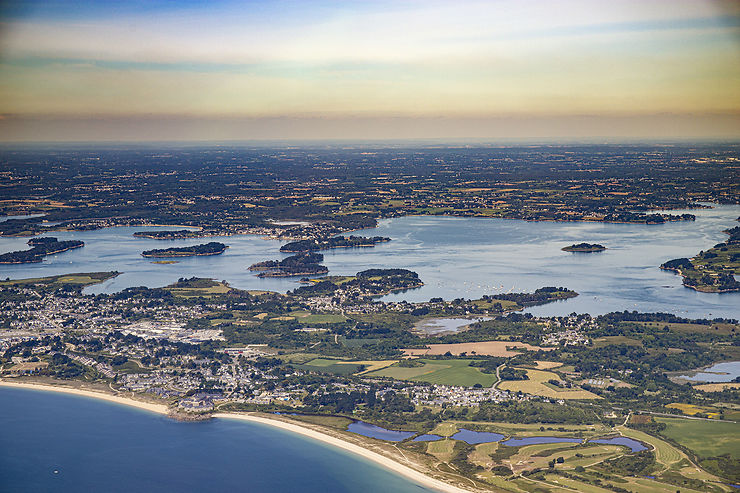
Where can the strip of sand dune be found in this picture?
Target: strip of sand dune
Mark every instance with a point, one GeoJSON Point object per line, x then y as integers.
{"type": "Point", "coordinates": [156, 408]}
{"type": "Point", "coordinates": [394, 466]}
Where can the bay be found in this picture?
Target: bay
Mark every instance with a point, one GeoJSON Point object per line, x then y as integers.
{"type": "Point", "coordinates": [64, 443]}
{"type": "Point", "coordinates": [455, 258]}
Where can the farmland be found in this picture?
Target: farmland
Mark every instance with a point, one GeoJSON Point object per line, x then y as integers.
{"type": "Point", "coordinates": [485, 348]}
{"type": "Point", "coordinates": [442, 372]}
{"type": "Point", "coordinates": [85, 279]}
{"type": "Point", "coordinates": [705, 438]}
{"type": "Point", "coordinates": [538, 385]}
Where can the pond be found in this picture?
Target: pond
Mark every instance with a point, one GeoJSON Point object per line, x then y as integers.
{"type": "Point", "coordinates": [719, 372]}
{"type": "Point", "coordinates": [427, 438]}
{"type": "Point", "coordinates": [474, 437]}
{"type": "Point", "coordinates": [634, 445]}
{"type": "Point", "coordinates": [20, 216]}
{"type": "Point", "coordinates": [439, 326]}
{"type": "Point", "coordinates": [520, 442]}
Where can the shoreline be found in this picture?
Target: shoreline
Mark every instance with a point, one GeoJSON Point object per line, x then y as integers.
{"type": "Point", "coordinates": [161, 409]}
{"type": "Point", "coordinates": [147, 406]}
{"type": "Point", "coordinates": [390, 464]}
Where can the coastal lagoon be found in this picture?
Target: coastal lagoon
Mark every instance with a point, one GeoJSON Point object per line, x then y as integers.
{"type": "Point", "coordinates": [476, 437]}
{"type": "Point", "coordinates": [455, 258]}
{"type": "Point", "coordinates": [64, 443]}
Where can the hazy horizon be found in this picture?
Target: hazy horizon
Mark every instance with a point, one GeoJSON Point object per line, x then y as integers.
{"type": "Point", "coordinates": [314, 70]}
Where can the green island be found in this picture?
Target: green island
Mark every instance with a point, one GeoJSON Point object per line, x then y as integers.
{"type": "Point", "coordinates": [168, 235]}
{"type": "Point", "coordinates": [212, 248]}
{"type": "Point", "coordinates": [584, 248]}
{"type": "Point", "coordinates": [40, 247]}
{"type": "Point", "coordinates": [371, 282]}
{"type": "Point", "coordinates": [714, 270]}
{"type": "Point", "coordinates": [303, 264]}
{"type": "Point", "coordinates": [316, 244]}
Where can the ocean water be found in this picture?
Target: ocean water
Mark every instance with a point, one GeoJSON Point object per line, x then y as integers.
{"type": "Point", "coordinates": [455, 257]}
{"type": "Point", "coordinates": [64, 443]}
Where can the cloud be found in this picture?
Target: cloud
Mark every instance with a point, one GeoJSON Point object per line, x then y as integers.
{"type": "Point", "coordinates": [401, 58]}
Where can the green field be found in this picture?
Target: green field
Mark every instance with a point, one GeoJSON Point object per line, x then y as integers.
{"type": "Point", "coordinates": [318, 318]}
{"type": "Point", "coordinates": [705, 438]}
{"type": "Point", "coordinates": [334, 366]}
{"type": "Point", "coordinates": [442, 372]}
{"type": "Point", "coordinates": [615, 341]}
{"type": "Point", "coordinates": [665, 453]}
{"type": "Point", "coordinates": [716, 328]}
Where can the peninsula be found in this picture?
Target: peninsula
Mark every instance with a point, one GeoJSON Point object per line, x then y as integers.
{"type": "Point", "coordinates": [714, 270]}
{"type": "Point", "coordinates": [584, 248]}
{"type": "Point", "coordinates": [212, 248]}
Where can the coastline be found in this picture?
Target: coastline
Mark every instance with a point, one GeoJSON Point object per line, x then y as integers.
{"type": "Point", "coordinates": [155, 408]}
{"type": "Point", "coordinates": [381, 460]}
{"type": "Point", "coordinates": [375, 457]}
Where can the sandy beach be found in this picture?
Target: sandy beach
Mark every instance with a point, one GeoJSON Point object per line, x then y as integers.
{"type": "Point", "coordinates": [379, 459]}
{"type": "Point", "coordinates": [156, 408]}
{"type": "Point", "coordinates": [394, 466]}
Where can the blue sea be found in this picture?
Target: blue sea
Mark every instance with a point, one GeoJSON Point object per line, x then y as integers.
{"type": "Point", "coordinates": [64, 443]}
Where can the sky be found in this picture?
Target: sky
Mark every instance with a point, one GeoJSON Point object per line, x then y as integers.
{"type": "Point", "coordinates": [362, 69]}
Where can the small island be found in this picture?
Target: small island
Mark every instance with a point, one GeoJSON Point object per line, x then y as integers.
{"type": "Point", "coordinates": [584, 248]}
{"type": "Point", "coordinates": [304, 264]}
{"type": "Point", "coordinates": [314, 245]}
{"type": "Point", "coordinates": [366, 284]}
{"type": "Point", "coordinates": [41, 247]}
{"type": "Point", "coordinates": [168, 235]}
{"type": "Point", "coordinates": [212, 248]}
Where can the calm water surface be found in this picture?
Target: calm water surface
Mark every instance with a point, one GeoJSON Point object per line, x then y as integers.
{"type": "Point", "coordinates": [427, 438]}
{"type": "Point", "coordinates": [21, 216]}
{"type": "Point", "coordinates": [634, 445]}
{"type": "Point", "coordinates": [100, 446]}
{"type": "Point", "coordinates": [439, 326]}
{"type": "Point", "coordinates": [474, 437]}
{"type": "Point", "coordinates": [520, 442]}
{"type": "Point", "coordinates": [455, 257]}
{"type": "Point", "coordinates": [719, 372]}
